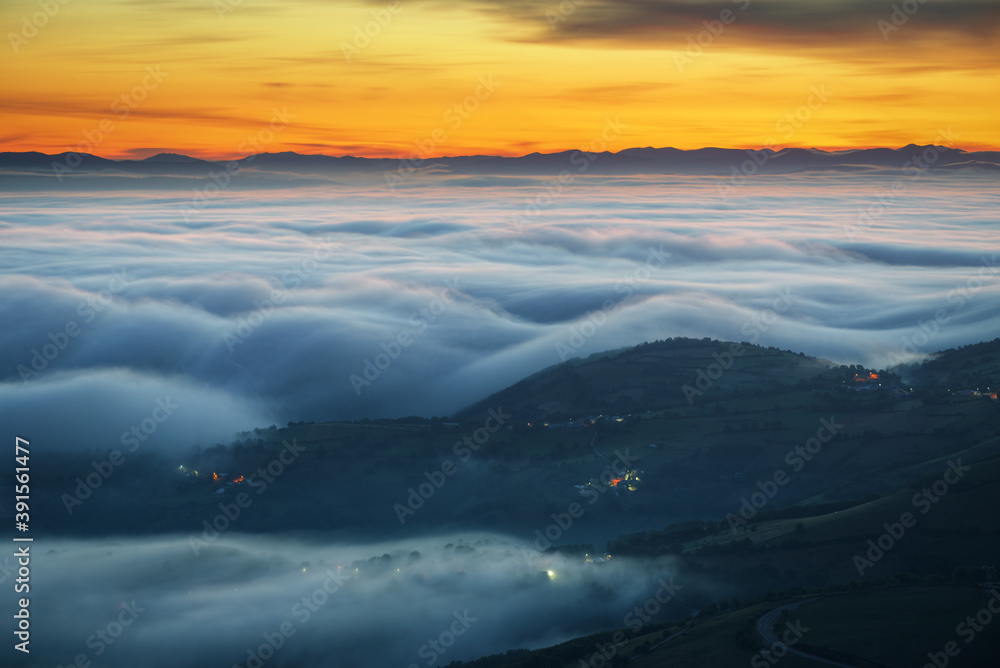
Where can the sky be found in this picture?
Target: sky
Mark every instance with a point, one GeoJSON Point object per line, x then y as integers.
{"type": "Point", "coordinates": [120, 78]}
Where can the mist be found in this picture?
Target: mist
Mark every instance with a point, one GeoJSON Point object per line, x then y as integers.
{"type": "Point", "coordinates": [183, 601]}
{"type": "Point", "coordinates": [351, 301]}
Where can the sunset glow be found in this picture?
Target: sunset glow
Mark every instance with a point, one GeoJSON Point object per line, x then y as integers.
{"type": "Point", "coordinates": [559, 73]}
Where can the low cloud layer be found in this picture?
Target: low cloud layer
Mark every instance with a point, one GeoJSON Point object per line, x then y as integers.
{"type": "Point", "coordinates": [425, 603]}
{"type": "Point", "coordinates": [350, 302]}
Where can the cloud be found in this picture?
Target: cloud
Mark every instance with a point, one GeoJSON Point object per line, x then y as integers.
{"type": "Point", "coordinates": [354, 301]}
{"type": "Point", "coordinates": [125, 410]}
{"type": "Point", "coordinates": [641, 23]}
{"type": "Point", "coordinates": [155, 602]}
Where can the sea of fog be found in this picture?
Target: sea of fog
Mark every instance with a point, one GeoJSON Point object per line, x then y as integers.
{"type": "Point", "coordinates": [253, 601]}
{"type": "Point", "coordinates": [248, 307]}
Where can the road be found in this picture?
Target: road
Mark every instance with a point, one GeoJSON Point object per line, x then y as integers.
{"type": "Point", "coordinates": [767, 621]}
{"type": "Point", "coordinates": [593, 444]}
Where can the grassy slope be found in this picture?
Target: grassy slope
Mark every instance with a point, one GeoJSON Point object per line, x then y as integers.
{"type": "Point", "coordinates": [899, 626]}
{"type": "Point", "coordinates": [711, 453]}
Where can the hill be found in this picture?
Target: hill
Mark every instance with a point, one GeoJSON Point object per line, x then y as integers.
{"type": "Point", "coordinates": [774, 487]}
{"type": "Point", "coordinates": [699, 455]}
{"type": "Point", "coordinates": [849, 601]}
{"type": "Point", "coordinates": [662, 375]}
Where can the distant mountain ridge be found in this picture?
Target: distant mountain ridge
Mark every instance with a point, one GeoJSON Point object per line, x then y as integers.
{"type": "Point", "coordinates": [631, 161]}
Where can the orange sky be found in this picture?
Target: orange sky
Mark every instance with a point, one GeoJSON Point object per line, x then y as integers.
{"type": "Point", "coordinates": [770, 76]}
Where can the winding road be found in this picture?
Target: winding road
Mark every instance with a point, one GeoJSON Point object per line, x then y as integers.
{"type": "Point", "coordinates": [593, 444]}
{"type": "Point", "coordinates": [766, 622]}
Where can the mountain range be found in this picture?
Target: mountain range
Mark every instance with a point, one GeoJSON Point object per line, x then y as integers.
{"type": "Point", "coordinates": [631, 161]}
